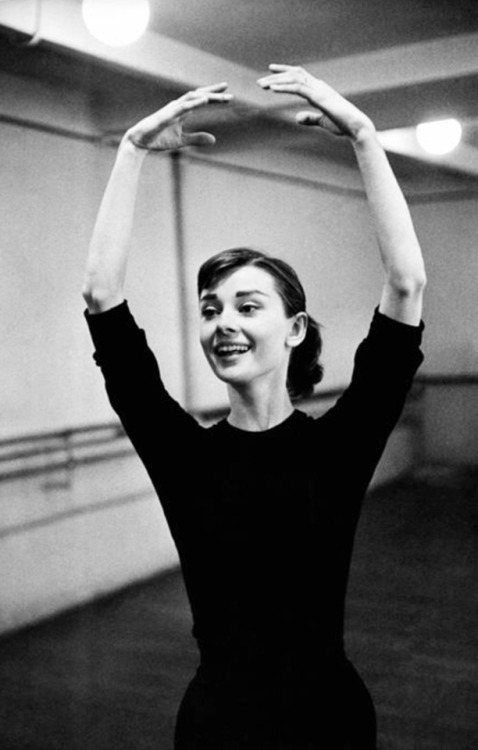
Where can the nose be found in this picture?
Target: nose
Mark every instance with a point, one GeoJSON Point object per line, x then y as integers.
{"type": "Point", "coordinates": [227, 321]}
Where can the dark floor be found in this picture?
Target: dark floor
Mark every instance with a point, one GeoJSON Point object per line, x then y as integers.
{"type": "Point", "coordinates": [110, 676]}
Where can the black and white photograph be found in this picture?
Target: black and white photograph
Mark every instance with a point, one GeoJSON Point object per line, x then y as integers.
{"type": "Point", "coordinates": [239, 375]}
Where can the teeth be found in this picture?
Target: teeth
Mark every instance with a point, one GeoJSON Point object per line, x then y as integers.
{"type": "Point", "coordinates": [230, 348]}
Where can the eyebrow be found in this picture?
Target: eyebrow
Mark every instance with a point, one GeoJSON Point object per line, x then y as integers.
{"type": "Point", "coordinates": [246, 293]}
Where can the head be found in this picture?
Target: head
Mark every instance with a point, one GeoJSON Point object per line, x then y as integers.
{"type": "Point", "coordinates": [254, 321]}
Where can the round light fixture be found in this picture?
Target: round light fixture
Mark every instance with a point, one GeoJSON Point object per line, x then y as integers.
{"type": "Point", "coordinates": [116, 22]}
{"type": "Point", "coordinates": [439, 137]}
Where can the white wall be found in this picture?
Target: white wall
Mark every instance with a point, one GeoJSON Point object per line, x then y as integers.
{"type": "Point", "coordinates": [65, 539]}
{"type": "Point", "coordinates": [65, 543]}
{"type": "Point", "coordinates": [326, 236]}
{"type": "Point", "coordinates": [50, 190]}
{"type": "Point", "coordinates": [69, 536]}
{"type": "Point", "coordinates": [449, 233]}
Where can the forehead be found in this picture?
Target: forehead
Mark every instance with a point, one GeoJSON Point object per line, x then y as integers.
{"type": "Point", "coordinates": [244, 279]}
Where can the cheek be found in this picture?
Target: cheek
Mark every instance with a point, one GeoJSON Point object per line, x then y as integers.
{"type": "Point", "coordinates": [271, 343]}
{"type": "Point", "coordinates": [276, 333]}
{"type": "Point", "coordinates": [206, 350]}
{"type": "Point", "coordinates": [204, 334]}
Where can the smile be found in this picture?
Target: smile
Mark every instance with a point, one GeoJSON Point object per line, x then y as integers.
{"type": "Point", "coordinates": [226, 350]}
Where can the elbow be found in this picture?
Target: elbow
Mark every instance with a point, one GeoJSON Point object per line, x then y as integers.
{"type": "Point", "coordinates": [90, 297]}
{"type": "Point", "coordinates": [408, 286]}
{"type": "Point", "coordinates": [99, 299]}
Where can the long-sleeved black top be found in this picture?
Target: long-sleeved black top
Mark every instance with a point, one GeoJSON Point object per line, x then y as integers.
{"type": "Point", "coordinates": [263, 521]}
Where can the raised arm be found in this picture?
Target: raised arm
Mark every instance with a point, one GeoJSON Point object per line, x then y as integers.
{"type": "Point", "coordinates": [161, 131]}
{"type": "Point", "coordinates": [399, 248]}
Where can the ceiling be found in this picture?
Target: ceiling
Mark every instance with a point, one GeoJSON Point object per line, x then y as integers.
{"type": "Point", "coordinates": [256, 32]}
{"type": "Point", "coordinates": [402, 61]}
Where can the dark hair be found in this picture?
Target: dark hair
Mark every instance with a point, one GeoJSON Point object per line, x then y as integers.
{"type": "Point", "coordinates": [304, 368]}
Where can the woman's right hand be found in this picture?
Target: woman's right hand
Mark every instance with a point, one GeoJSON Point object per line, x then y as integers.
{"type": "Point", "coordinates": [163, 130]}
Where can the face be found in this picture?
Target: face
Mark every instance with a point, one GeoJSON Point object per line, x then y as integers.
{"type": "Point", "coordinates": [244, 331]}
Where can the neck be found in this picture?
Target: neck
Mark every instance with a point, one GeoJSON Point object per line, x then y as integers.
{"type": "Point", "coordinates": [256, 411]}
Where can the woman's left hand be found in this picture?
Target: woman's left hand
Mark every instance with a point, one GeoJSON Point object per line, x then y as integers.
{"type": "Point", "coordinates": [336, 114]}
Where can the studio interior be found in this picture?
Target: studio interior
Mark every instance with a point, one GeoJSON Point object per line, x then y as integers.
{"type": "Point", "coordinates": [96, 646]}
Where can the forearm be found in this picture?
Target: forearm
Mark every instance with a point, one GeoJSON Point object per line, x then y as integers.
{"type": "Point", "coordinates": [108, 252]}
{"type": "Point", "coordinates": [399, 247]}
{"type": "Point", "coordinates": [160, 131]}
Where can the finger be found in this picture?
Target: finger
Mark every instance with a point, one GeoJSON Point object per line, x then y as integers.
{"type": "Point", "coordinates": [287, 88]}
{"type": "Point", "coordinates": [199, 139]}
{"type": "Point", "coordinates": [281, 68]}
{"type": "Point", "coordinates": [288, 77]}
{"type": "Point", "coordinates": [266, 81]}
{"type": "Point", "coordinates": [214, 87]}
{"type": "Point", "coordinates": [277, 68]}
{"type": "Point", "coordinates": [199, 98]}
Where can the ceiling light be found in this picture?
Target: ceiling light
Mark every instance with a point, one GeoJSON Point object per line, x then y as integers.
{"type": "Point", "coordinates": [116, 22]}
{"type": "Point", "coordinates": [439, 137]}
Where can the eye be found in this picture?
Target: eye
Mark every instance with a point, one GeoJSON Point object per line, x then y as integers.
{"type": "Point", "coordinates": [248, 308]}
{"type": "Point", "coordinates": [208, 312]}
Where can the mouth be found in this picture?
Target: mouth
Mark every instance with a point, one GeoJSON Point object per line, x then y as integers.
{"type": "Point", "coordinates": [225, 351]}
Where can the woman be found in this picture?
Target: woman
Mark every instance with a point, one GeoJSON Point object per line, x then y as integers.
{"type": "Point", "coordinates": [263, 506]}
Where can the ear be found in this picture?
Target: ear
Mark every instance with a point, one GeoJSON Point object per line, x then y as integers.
{"type": "Point", "coordinates": [298, 330]}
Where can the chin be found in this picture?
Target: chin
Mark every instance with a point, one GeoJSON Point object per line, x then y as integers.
{"type": "Point", "coordinates": [228, 376]}
{"type": "Point", "coordinates": [228, 371]}
{"type": "Point", "coordinates": [232, 379]}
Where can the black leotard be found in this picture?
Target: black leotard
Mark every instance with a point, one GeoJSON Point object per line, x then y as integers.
{"type": "Point", "coordinates": [264, 525]}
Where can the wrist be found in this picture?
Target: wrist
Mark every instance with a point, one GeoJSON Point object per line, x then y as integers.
{"type": "Point", "coordinates": [365, 136]}
{"type": "Point", "coordinates": [130, 149]}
